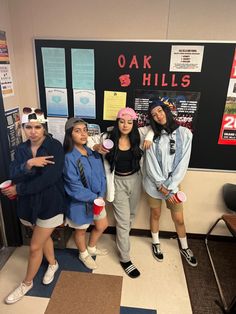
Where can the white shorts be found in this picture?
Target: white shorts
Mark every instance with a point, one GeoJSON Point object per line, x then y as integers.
{"type": "Point", "coordinates": [74, 225]}
{"type": "Point", "coordinates": [46, 223]}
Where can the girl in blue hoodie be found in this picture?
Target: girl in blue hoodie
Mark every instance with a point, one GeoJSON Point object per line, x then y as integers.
{"type": "Point", "coordinates": [85, 181]}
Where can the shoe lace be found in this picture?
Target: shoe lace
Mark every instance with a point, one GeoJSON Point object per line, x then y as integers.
{"type": "Point", "coordinates": [51, 269]}
{"type": "Point", "coordinates": [158, 248]}
{"type": "Point", "coordinates": [189, 252]}
{"type": "Point", "coordinates": [20, 290]}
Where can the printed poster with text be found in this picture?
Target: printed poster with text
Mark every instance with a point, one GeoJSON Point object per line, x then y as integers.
{"type": "Point", "coordinates": [228, 127]}
{"type": "Point", "coordinates": [113, 102]}
{"type": "Point", "coordinates": [183, 105]}
{"type": "Point", "coordinates": [5, 68]}
{"type": "Point", "coordinates": [13, 129]}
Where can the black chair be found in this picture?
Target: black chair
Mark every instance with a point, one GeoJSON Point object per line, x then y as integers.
{"type": "Point", "coordinates": [229, 196]}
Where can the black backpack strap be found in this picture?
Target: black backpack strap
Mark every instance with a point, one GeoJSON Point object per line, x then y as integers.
{"type": "Point", "coordinates": [82, 175]}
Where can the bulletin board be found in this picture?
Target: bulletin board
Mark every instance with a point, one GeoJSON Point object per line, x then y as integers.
{"type": "Point", "coordinates": [147, 63]}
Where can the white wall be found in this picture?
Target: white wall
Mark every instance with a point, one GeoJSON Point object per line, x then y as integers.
{"type": "Point", "coordinates": [131, 19]}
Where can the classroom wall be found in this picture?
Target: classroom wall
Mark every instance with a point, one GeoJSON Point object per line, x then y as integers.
{"type": "Point", "coordinates": [127, 20]}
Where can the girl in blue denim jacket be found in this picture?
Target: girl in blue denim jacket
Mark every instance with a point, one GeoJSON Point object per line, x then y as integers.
{"type": "Point", "coordinates": [165, 166]}
{"type": "Point", "coordinates": [84, 181]}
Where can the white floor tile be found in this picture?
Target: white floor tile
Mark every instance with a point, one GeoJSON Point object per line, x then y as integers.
{"type": "Point", "coordinates": [161, 286]}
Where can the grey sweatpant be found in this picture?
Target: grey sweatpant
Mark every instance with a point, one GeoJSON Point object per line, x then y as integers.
{"type": "Point", "coordinates": [127, 195]}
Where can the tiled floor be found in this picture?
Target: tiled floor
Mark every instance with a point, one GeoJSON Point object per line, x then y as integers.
{"type": "Point", "coordinates": [161, 286]}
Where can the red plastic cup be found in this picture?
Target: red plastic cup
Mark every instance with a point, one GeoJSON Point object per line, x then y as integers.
{"type": "Point", "coordinates": [181, 197]}
{"type": "Point", "coordinates": [107, 144]}
{"type": "Point", "coordinates": [98, 206]}
{"type": "Point", "coordinates": [6, 184]}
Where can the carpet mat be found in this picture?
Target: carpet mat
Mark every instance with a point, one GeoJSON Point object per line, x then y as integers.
{"type": "Point", "coordinates": [84, 293]}
{"type": "Point", "coordinates": [135, 310]}
{"type": "Point", "coordinates": [201, 282]}
{"type": "Point", "coordinates": [67, 260]}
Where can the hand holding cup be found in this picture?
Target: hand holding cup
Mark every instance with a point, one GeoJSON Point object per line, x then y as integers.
{"type": "Point", "coordinates": [181, 197]}
{"type": "Point", "coordinates": [8, 189]}
{"type": "Point", "coordinates": [98, 206]}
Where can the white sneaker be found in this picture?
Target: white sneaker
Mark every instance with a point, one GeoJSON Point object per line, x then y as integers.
{"type": "Point", "coordinates": [50, 273]}
{"type": "Point", "coordinates": [89, 262]}
{"type": "Point", "coordinates": [100, 252]}
{"type": "Point", "coordinates": [18, 293]}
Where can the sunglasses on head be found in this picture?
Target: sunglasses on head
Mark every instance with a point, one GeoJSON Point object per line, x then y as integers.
{"type": "Point", "coordinates": [172, 146]}
{"type": "Point", "coordinates": [28, 110]}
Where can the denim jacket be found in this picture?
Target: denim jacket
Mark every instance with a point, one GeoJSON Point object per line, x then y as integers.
{"type": "Point", "coordinates": [163, 168]}
{"type": "Point", "coordinates": [80, 198]}
{"type": "Point", "coordinates": [40, 191]}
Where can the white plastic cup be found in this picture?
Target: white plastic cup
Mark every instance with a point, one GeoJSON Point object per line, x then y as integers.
{"type": "Point", "coordinates": [6, 184]}
{"type": "Point", "coordinates": [98, 206]}
{"type": "Point", "coordinates": [107, 144]}
{"type": "Point", "coordinates": [181, 196]}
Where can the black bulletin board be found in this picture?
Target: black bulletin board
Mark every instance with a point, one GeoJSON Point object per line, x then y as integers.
{"type": "Point", "coordinates": [212, 83]}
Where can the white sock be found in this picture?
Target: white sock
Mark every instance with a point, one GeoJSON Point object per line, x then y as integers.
{"type": "Point", "coordinates": [155, 237]}
{"type": "Point", "coordinates": [92, 249]}
{"type": "Point", "coordinates": [84, 254]}
{"type": "Point", "coordinates": [184, 243]}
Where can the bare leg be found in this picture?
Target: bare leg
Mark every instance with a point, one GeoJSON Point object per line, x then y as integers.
{"type": "Point", "coordinates": [79, 237]}
{"type": "Point", "coordinates": [48, 251]}
{"type": "Point", "coordinates": [39, 238]}
{"type": "Point", "coordinates": [154, 219]}
{"type": "Point", "coordinates": [178, 219]}
{"type": "Point", "coordinates": [100, 226]}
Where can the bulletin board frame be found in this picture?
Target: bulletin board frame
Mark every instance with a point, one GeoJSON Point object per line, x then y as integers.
{"type": "Point", "coordinates": [211, 82]}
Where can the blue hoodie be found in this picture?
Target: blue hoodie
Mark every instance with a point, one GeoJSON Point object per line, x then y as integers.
{"type": "Point", "coordinates": [79, 198]}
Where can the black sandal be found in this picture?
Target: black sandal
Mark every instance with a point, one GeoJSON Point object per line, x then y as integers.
{"type": "Point", "coordinates": [130, 269]}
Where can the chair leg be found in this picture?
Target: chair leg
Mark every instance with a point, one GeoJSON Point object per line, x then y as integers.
{"type": "Point", "coordinates": [213, 266]}
{"type": "Point", "coordinates": [209, 232]}
{"type": "Point", "coordinates": [232, 307]}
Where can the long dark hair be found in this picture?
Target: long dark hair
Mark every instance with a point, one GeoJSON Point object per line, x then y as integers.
{"type": "Point", "coordinates": [68, 143]}
{"type": "Point", "coordinates": [170, 126]}
{"type": "Point", "coordinates": [134, 138]}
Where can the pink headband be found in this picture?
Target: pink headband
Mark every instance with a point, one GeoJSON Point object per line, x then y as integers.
{"type": "Point", "coordinates": [127, 111]}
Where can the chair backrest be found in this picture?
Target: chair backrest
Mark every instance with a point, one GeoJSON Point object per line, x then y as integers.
{"type": "Point", "coordinates": [229, 195]}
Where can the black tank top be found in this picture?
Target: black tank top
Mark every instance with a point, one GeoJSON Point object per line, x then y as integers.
{"type": "Point", "coordinates": [125, 162]}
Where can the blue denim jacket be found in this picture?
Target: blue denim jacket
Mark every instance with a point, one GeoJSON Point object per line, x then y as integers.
{"type": "Point", "coordinates": [162, 168]}
{"type": "Point", "coordinates": [79, 198]}
{"type": "Point", "coordinates": [40, 191]}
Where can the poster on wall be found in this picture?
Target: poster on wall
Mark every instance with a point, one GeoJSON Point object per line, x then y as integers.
{"type": "Point", "coordinates": [56, 127]}
{"type": "Point", "coordinates": [228, 127]}
{"type": "Point", "coordinates": [113, 102]}
{"type": "Point", "coordinates": [82, 69]}
{"type": "Point", "coordinates": [183, 105]}
{"type": "Point", "coordinates": [5, 68]}
{"type": "Point", "coordinates": [13, 129]}
{"type": "Point", "coordinates": [84, 104]}
{"type": "Point", "coordinates": [186, 58]}
{"type": "Point", "coordinates": [54, 67]}
{"type": "Point", "coordinates": [56, 101]}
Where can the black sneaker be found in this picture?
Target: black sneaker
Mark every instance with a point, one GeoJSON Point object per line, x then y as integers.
{"type": "Point", "coordinates": [130, 269]}
{"type": "Point", "coordinates": [157, 253]}
{"type": "Point", "coordinates": [190, 258]}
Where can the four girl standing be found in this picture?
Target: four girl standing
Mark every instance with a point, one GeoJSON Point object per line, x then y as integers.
{"type": "Point", "coordinates": [37, 171]}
